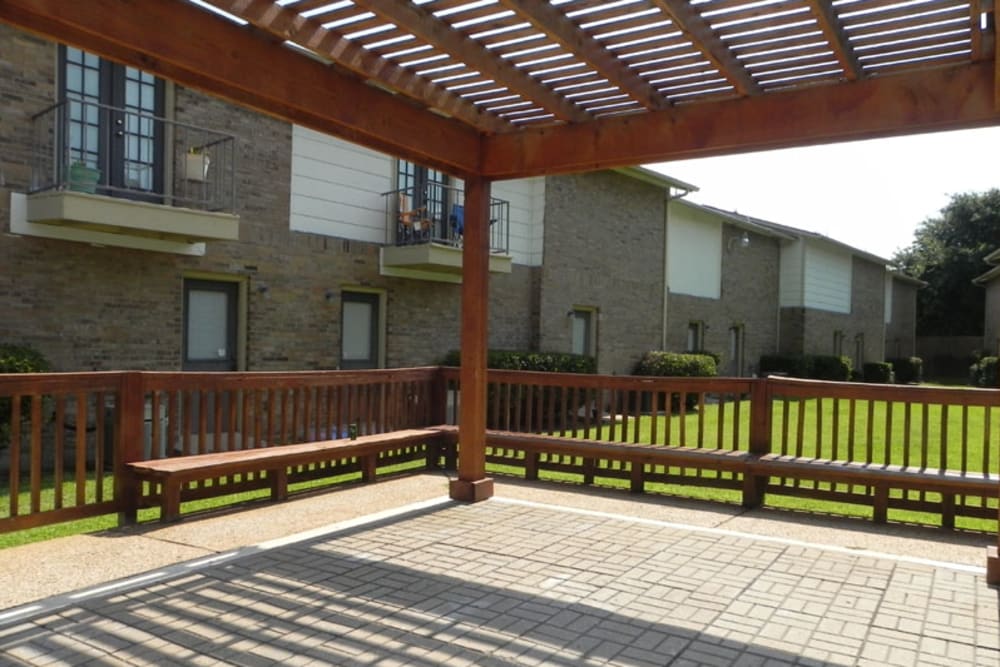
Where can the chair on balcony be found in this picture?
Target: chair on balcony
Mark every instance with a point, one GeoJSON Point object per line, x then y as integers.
{"type": "Point", "coordinates": [413, 222]}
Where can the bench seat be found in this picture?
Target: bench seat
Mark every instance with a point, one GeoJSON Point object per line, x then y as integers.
{"type": "Point", "coordinates": [173, 473]}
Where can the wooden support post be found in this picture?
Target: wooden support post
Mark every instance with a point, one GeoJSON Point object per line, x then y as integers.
{"type": "Point", "coordinates": [472, 484]}
{"type": "Point", "coordinates": [128, 444]}
{"type": "Point", "coordinates": [754, 486]}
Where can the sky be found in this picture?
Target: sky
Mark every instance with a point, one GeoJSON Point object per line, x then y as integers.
{"type": "Point", "coordinates": [869, 194]}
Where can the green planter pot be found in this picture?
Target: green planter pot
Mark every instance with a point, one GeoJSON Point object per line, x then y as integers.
{"type": "Point", "coordinates": [83, 178]}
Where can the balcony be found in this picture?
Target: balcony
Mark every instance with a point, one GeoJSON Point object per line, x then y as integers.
{"type": "Point", "coordinates": [112, 175]}
{"type": "Point", "coordinates": [424, 233]}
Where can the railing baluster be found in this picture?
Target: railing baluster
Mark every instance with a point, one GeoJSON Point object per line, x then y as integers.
{"type": "Point", "coordinates": [81, 449]}
{"type": "Point", "coordinates": [59, 454]}
{"type": "Point", "coordinates": [98, 446]}
{"type": "Point", "coordinates": [36, 453]}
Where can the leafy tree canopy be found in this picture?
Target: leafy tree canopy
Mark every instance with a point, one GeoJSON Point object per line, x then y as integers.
{"type": "Point", "coordinates": [947, 253]}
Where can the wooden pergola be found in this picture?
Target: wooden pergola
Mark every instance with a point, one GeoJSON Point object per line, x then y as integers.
{"type": "Point", "coordinates": [499, 89]}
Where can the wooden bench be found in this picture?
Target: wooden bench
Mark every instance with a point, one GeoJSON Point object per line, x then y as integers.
{"type": "Point", "coordinates": [756, 469]}
{"type": "Point", "coordinates": [173, 473]}
{"type": "Point", "coordinates": [688, 457]}
{"type": "Point", "coordinates": [881, 477]}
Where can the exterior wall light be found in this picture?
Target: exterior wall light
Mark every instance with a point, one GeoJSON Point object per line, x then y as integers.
{"type": "Point", "coordinates": [741, 241]}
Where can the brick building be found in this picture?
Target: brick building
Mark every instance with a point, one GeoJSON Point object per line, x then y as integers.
{"type": "Point", "coordinates": [149, 226]}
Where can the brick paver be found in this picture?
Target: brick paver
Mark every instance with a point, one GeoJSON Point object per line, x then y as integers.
{"type": "Point", "coordinates": [503, 583]}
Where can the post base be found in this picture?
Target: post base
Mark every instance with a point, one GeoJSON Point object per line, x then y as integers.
{"type": "Point", "coordinates": [471, 492]}
{"type": "Point", "coordinates": [993, 566]}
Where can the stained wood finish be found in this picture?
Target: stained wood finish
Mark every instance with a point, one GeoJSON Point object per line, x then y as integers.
{"type": "Point", "coordinates": [476, 91]}
{"type": "Point", "coordinates": [472, 484]}
{"type": "Point", "coordinates": [171, 474]}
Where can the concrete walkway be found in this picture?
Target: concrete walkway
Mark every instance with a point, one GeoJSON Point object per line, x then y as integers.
{"type": "Point", "coordinates": [540, 575]}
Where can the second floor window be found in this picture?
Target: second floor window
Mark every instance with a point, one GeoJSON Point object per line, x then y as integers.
{"type": "Point", "coordinates": [111, 122]}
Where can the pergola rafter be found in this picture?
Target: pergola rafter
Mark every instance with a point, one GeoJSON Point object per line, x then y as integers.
{"type": "Point", "coordinates": [309, 33]}
{"type": "Point", "coordinates": [547, 19]}
{"type": "Point", "coordinates": [835, 34]}
{"type": "Point", "coordinates": [704, 38]}
{"type": "Point", "coordinates": [441, 35]}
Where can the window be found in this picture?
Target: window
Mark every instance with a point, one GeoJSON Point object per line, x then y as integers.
{"type": "Point", "coordinates": [736, 337]}
{"type": "Point", "coordinates": [426, 190]}
{"type": "Point", "coordinates": [582, 334]}
{"type": "Point", "coordinates": [695, 336]}
{"type": "Point", "coordinates": [111, 122]}
{"type": "Point", "coordinates": [360, 326]}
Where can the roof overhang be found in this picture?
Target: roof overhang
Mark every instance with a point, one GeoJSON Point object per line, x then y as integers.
{"type": "Point", "coordinates": [522, 88]}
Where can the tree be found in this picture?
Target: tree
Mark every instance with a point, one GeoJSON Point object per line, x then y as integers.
{"type": "Point", "coordinates": [947, 253]}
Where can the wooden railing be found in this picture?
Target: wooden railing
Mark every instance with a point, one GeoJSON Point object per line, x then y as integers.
{"type": "Point", "coordinates": [58, 452]}
{"type": "Point", "coordinates": [868, 429]}
{"type": "Point", "coordinates": [70, 434]}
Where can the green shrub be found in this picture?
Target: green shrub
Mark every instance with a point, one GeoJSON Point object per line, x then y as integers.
{"type": "Point", "coordinates": [831, 367]}
{"type": "Point", "coordinates": [812, 366]}
{"type": "Point", "coordinates": [516, 360]}
{"type": "Point", "coordinates": [796, 366]}
{"type": "Point", "coordinates": [983, 373]}
{"type": "Point", "coordinates": [908, 369]}
{"type": "Point", "coordinates": [17, 359]}
{"type": "Point", "coordinates": [675, 364]}
{"type": "Point", "coordinates": [877, 371]}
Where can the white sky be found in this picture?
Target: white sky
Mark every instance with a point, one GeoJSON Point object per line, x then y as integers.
{"type": "Point", "coordinates": [869, 194]}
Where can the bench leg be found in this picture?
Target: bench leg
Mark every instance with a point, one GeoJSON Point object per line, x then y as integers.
{"type": "Point", "coordinates": [993, 566]}
{"type": "Point", "coordinates": [881, 513]}
{"type": "Point", "coordinates": [589, 465]}
{"type": "Point", "coordinates": [531, 466]}
{"type": "Point", "coordinates": [170, 502]}
{"type": "Point", "coordinates": [948, 511]}
{"type": "Point", "coordinates": [279, 483]}
{"type": "Point", "coordinates": [368, 466]}
{"type": "Point", "coordinates": [754, 488]}
{"type": "Point", "coordinates": [434, 451]}
{"type": "Point", "coordinates": [638, 477]}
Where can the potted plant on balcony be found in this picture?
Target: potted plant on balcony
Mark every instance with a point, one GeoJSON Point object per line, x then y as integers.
{"type": "Point", "coordinates": [196, 164]}
{"type": "Point", "coordinates": [83, 178]}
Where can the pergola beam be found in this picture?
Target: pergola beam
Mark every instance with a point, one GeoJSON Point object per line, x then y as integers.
{"type": "Point", "coordinates": [288, 24]}
{"type": "Point", "coordinates": [181, 42]}
{"type": "Point", "coordinates": [547, 19]}
{"type": "Point", "coordinates": [940, 99]}
{"type": "Point", "coordinates": [698, 30]}
{"type": "Point", "coordinates": [441, 35]}
{"type": "Point", "coordinates": [835, 34]}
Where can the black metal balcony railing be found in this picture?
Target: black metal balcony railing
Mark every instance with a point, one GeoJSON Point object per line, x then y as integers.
{"type": "Point", "coordinates": [435, 213]}
{"type": "Point", "coordinates": [93, 148]}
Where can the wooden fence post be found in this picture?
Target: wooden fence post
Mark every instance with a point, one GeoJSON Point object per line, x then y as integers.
{"type": "Point", "coordinates": [754, 486]}
{"type": "Point", "coordinates": [128, 443]}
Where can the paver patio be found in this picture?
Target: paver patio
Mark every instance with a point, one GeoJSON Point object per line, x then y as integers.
{"type": "Point", "coordinates": [514, 582]}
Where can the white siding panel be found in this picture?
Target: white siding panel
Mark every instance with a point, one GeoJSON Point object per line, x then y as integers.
{"type": "Point", "coordinates": [694, 253]}
{"type": "Point", "coordinates": [790, 288]}
{"type": "Point", "coordinates": [525, 221]}
{"type": "Point", "coordinates": [827, 279]}
{"type": "Point", "coordinates": [337, 187]}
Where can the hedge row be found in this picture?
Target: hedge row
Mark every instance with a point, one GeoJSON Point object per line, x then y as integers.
{"type": "Point", "coordinates": [675, 364]}
{"type": "Point", "coordinates": [983, 373]}
{"type": "Point", "coordinates": [17, 359]}
{"type": "Point", "coordinates": [812, 366]}
{"type": "Point", "coordinates": [516, 360]}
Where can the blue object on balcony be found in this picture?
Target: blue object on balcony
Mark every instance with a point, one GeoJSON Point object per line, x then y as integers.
{"type": "Point", "coordinates": [458, 218]}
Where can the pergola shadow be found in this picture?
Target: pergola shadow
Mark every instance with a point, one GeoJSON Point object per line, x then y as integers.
{"type": "Point", "coordinates": [486, 584]}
